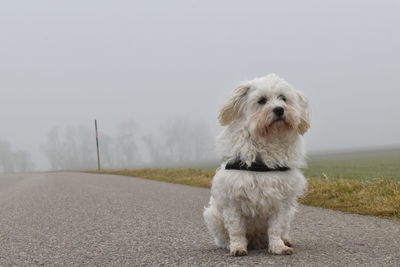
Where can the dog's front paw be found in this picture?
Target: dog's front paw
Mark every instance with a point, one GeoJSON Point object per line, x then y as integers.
{"type": "Point", "coordinates": [238, 252]}
{"type": "Point", "coordinates": [280, 249]}
{"type": "Point", "coordinates": [287, 242]}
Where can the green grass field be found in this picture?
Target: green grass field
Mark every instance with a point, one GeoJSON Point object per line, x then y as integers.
{"type": "Point", "coordinates": [367, 165]}
{"type": "Point", "coordinates": [362, 183]}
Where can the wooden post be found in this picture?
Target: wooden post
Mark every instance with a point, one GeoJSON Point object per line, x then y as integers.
{"type": "Point", "coordinates": [97, 145]}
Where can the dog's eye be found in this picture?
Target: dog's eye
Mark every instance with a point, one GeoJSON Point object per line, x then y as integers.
{"type": "Point", "coordinates": [262, 100]}
{"type": "Point", "coordinates": [283, 98]}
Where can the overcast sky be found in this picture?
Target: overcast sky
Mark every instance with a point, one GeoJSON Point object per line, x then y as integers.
{"type": "Point", "coordinates": [68, 62]}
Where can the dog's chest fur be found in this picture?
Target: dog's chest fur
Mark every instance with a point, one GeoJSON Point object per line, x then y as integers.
{"type": "Point", "coordinates": [257, 194]}
{"type": "Point", "coordinates": [235, 143]}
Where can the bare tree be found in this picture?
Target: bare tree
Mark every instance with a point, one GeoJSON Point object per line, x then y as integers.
{"type": "Point", "coordinates": [188, 140]}
{"type": "Point", "coordinates": [154, 149]}
{"type": "Point", "coordinates": [53, 149]}
{"type": "Point", "coordinates": [202, 142]}
{"type": "Point", "coordinates": [180, 141]}
{"type": "Point", "coordinates": [23, 161]}
{"type": "Point", "coordinates": [11, 161]}
{"type": "Point", "coordinates": [126, 147]}
{"type": "Point", "coordinates": [107, 151]}
{"type": "Point", "coordinates": [6, 157]}
{"type": "Point", "coordinates": [73, 150]}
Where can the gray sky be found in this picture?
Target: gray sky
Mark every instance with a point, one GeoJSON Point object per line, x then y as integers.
{"type": "Point", "coordinates": [68, 62]}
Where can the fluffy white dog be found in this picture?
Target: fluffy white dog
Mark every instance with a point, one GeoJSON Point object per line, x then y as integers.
{"type": "Point", "coordinates": [254, 193]}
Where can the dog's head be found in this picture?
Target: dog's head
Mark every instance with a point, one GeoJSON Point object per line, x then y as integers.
{"type": "Point", "coordinates": [268, 106]}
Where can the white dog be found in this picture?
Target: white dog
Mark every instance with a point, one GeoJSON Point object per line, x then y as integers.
{"type": "Point", "coordinates": [254, 193]}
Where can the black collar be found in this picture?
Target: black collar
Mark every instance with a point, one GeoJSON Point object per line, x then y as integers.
{"type": "Point", "coordinates": [256, 166]}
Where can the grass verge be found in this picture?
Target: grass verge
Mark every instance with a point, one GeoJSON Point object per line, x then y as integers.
{"type": "Point", "coordinates": [365, 166]}
{"type": "Point", "coordinates": [376, 197]}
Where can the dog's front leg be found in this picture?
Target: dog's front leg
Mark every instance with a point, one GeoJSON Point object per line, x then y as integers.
{"type": "Point", "coordinates": [276, 225]}
{"type": "Point", "coordinates": [235, 223]}
{"type": "Point", "coordinates": [286, 225]}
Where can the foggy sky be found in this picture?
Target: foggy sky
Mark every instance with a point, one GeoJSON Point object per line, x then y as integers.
{"type": "Point", "coordinates": [67, 63]}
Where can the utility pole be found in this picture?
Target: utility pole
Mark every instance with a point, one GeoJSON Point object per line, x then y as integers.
{"type": "Point", "coordinates": [97, 145]}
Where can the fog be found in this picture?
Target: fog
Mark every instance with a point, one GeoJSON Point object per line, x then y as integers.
{"type": "Point", "coordinates": [154, 73]}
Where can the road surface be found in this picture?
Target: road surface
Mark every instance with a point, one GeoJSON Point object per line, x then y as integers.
{"type": "Point", "coordinates": [77, 219]}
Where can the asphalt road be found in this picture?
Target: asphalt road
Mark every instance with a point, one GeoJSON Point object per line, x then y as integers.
{"type": "Point", "coordinates": [75, 219]}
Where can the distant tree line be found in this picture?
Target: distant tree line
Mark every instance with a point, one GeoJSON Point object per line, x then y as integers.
{"type": "Point", "coordinates": [180, 141]}
{"type": "Point", "coordinates": [14, 161]}
{"type": "Point", "coordinates": [177, 142]}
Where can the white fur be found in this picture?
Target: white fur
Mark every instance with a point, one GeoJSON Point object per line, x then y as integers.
{"type": "Point", "coordinates": [252, 208]}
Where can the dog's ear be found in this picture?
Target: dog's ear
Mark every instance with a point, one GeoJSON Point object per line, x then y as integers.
{"type": "Point", "coordinates": [233, 106]}
{"type": "Point", "coordinates": [304, 113]}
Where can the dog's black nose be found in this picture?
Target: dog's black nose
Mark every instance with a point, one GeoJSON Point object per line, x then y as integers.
{"type": "Point", "coordinates": [278, 111]}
